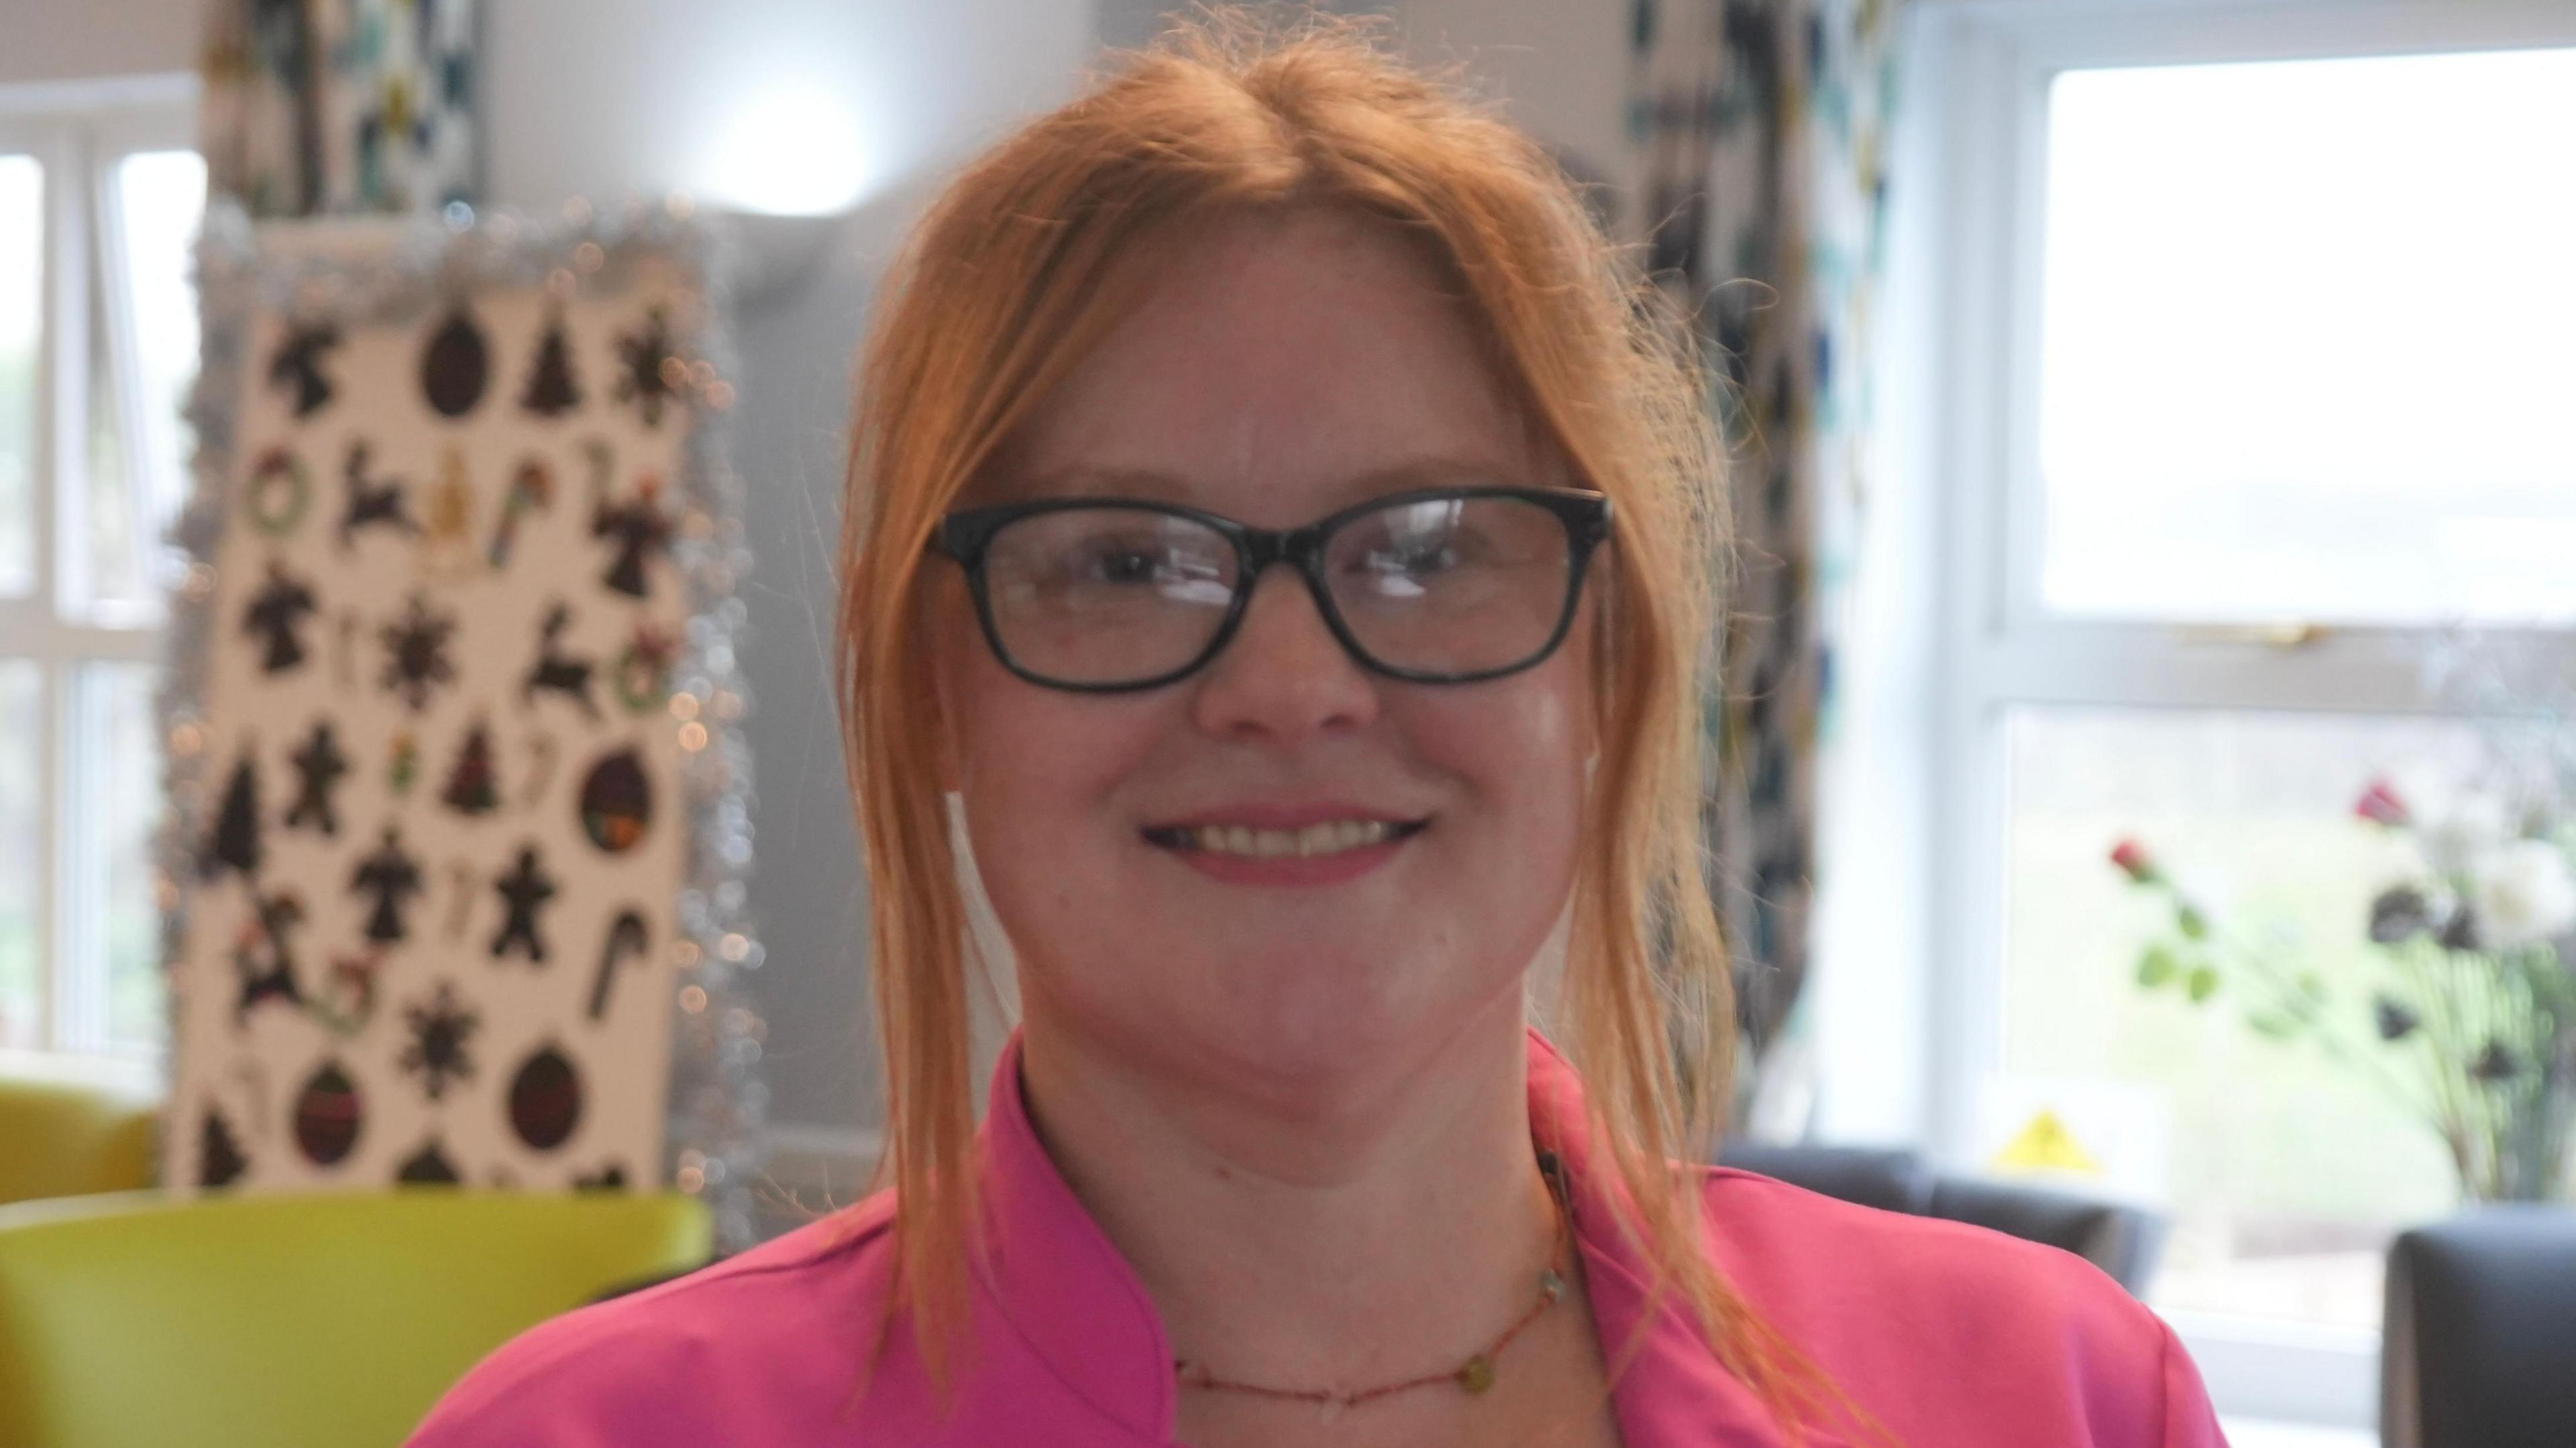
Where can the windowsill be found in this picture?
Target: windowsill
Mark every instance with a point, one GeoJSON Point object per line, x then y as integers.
{"type": "Point", "coordinates": [2261, 1433]}
{"type": "Point", "coordinates": [2318, 1378]}
{"type": "Point", "coordinates": [134, 1075]}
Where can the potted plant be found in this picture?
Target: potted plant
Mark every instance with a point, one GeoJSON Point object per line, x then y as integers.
{"type": "Point", "coordinates": [2468, 1018]}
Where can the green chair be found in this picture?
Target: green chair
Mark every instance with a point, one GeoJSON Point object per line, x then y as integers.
{"type": "Point", "coordinates": [63, 1140]}
{"type": "Point", "coordinates": [310, 1321]}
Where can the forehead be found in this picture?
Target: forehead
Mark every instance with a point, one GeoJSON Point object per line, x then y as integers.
{"type": "Point", "coordinates": [1281, 366]}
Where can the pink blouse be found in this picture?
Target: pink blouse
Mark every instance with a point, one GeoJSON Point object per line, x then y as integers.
{"type": "Point", "coordinates": [1951, 1335]}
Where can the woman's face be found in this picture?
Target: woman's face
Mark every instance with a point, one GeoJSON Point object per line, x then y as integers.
{"type": "Point", "coordinates": [1288, 368]}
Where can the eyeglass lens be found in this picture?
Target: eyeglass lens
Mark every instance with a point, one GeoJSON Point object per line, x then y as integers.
{"type": "Point", "coordinates": [1116, 594]}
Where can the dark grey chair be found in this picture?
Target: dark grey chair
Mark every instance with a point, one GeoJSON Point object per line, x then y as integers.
{"type": "Point", "coordinates": [2479, 1342]}
{"type": "Point", "coordinates": [2121, 1240]}
{"type": "Point", "coordinates": [1892, 1180]}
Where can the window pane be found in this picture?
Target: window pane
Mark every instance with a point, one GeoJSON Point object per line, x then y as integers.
{"type": "Point", "coordinates": [161, 196]}
{"type": "Point", "coordinates": [118, 799]}
{"type": "Point", "coordinates": [2304, 340]}
{"type": "Point", "coordinates": [2285, 1172]}
{"type": "Point", "coordinates": [22, 847]}
{"type": "Point", "coordinates": [22, 293]}
{"type": "Point", "coordinates": [114, 567]}
{"type": "Point", "coordinates": [144, 326]}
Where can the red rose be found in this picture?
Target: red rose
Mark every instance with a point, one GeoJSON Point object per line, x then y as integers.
{"type": "Point", "coordinates": [2134, 862]}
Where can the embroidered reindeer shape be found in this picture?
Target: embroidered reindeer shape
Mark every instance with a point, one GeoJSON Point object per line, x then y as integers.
{"type": "Point", "coordinates": [557, 670]}
{"type": "Point", "coordinates": [370, 504]}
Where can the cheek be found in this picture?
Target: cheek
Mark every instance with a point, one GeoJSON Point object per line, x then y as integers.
{"type": "Point", "coordinates": [1017, 750]}
{"type": "Point", "coordinates": [1031, 759]}
{"type": "Point", "coordinates": [1039, 771]}
{"type": "Point", "coordinates": [1519, 751]}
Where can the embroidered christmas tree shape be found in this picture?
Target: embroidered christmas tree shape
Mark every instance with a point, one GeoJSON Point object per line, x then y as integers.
{"type": "Point", "coordinates": [471, 788]}
{"type": "Point", "coordinates": [234, 843]}
{"type": "Point", "coordinates": [552, 392]}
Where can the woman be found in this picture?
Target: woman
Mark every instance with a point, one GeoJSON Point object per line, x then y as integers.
{"type": "Point", "coordinates": [1273, 1156]}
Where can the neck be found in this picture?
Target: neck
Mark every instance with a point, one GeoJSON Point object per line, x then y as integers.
{"type": "Point", "coordinates": [1390, 1233]}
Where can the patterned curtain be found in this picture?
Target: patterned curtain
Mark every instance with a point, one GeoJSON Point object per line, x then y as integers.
{"type": "Point", "coordinates": [1757, 132]}
{"type": "Point", "coordinates": [333, 107]}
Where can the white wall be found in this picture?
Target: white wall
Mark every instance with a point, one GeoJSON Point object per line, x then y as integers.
{"type": "Point", "coordinates": [59, 40]}
{"type": "Point", "coordinates": [1560, 67]}
{"type": "Point", "coordinates": [595, 96]}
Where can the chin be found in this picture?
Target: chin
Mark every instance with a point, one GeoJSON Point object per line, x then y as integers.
{"type": "Point", "coordinates": [1321, 1029]}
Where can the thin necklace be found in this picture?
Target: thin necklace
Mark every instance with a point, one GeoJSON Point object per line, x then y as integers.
{"type": "Point", "coordinates": [1473, 1376]}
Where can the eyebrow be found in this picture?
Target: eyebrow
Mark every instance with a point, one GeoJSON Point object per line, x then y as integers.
{"type": "Point", "coordinates": [1421, 472]}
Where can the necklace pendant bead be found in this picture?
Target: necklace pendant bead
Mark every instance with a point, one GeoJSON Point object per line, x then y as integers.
{"type": "Point", "coordinates": [1550, 1285]}
{"type": "Point", "coordinates": [1478, 1374]}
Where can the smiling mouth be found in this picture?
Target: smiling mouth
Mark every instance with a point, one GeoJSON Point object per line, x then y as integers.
{"type": "Point", "coordinates": [1332, 837]}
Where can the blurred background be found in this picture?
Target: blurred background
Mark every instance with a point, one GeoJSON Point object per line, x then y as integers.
{"type": "Point", "coordinates": [2148, 751]}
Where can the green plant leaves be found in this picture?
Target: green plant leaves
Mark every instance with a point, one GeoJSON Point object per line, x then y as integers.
{"type": "Point", "coordinates": [2272, 1024]}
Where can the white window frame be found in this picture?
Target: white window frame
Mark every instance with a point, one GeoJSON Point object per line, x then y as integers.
{"type": "Point", "coordinates": [1995, 646]}
{"type": "Point", "coordinates": [79, 131]}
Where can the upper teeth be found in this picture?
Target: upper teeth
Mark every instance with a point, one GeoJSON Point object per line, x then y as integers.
{"type": "Point", "coordinates": [1323, 839]}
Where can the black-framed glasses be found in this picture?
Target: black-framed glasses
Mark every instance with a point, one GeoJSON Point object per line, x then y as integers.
{"type": "Point", "coordinates": [1436, 586]}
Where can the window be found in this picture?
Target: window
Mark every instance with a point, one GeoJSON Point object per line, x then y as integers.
{"type": "Point", "coordinates": [100, 197]}
{"type": "Point", "coordinates": [2251, 338]}
{"type": "Point", "coordinates": [2302, 341]}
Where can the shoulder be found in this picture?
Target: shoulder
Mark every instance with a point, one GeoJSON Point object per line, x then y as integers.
{"type": "Point", "coordinates": [681, 1362]}
{"type": "Point", "coordinates": [1955, 1315]}
{"type": "Point", "coordinates": [1783, 1235]}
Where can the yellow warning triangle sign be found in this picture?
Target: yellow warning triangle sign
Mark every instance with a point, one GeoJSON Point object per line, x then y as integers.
{"type": "Point", "coordinates": [2046, 1145]}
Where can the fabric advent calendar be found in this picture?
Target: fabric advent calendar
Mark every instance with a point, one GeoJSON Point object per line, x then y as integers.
{"type": "Point", "coordinates": [458, 828]}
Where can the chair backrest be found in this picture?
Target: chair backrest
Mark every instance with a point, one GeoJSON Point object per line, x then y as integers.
{"type": "Point", "coordinates": [2479, 1341]}
{"type": "Point", "coordinates": [293, 1321]}
{"type": "Point", "coordinates": [1889, 1178]}
{"type": "Point", "coordinates": [58, 1139]}
{"type": "Point", "coordinates": [2123, 1241]}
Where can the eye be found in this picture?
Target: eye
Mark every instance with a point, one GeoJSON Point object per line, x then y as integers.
{"type": "Point", "coordinates": [1414, 550]}
{"type": "Point", "coordinates": [1181, 569]}
{"type": "Point", "coordinates": [1415, 555]}
{"type": "Point", "coordinates": [1123, 563]}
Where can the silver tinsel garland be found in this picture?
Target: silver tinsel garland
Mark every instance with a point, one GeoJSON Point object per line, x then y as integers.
{"type": "Point", "coordinates": [715, 1143]}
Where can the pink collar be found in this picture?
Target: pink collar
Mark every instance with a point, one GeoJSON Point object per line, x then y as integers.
{"type": "Point", "coordinates": [1082, 1310]}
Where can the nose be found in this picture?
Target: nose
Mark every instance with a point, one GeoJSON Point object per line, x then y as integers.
{"type": "Point", "coordinates": [1283, 678]}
